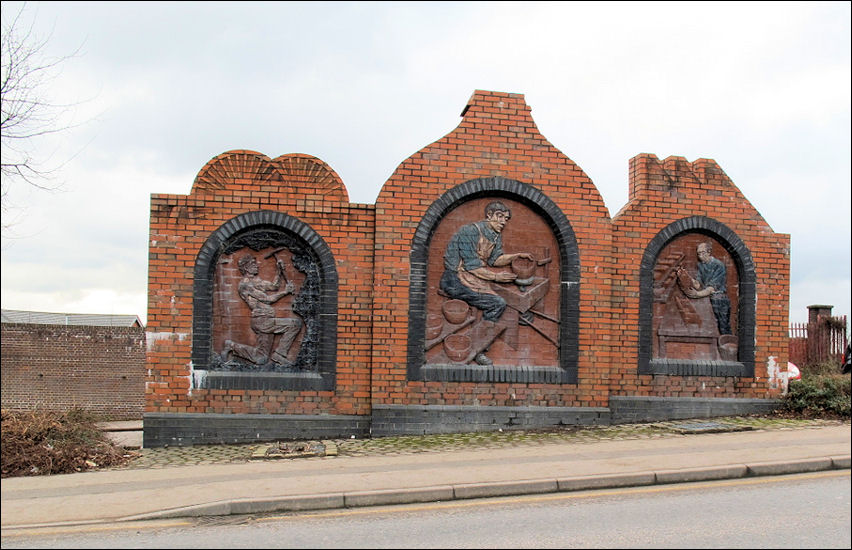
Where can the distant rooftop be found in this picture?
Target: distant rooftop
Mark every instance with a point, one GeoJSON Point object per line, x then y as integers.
{"type": "Point", "coordinates": [82, 319]}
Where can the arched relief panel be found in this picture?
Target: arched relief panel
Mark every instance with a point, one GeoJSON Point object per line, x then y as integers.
{"type": "Point", "coordinates": [697, 302]}
{"type": "Point", "coordinates": [264, 306]}
{"type": "Point", "coordinates": [518, 327]}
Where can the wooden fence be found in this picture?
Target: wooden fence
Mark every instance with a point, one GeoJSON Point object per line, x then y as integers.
{"type": "Point", "coordinates": [817, 342]}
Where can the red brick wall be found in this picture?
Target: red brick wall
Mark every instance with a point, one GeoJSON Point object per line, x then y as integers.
{"type": "Point", "coordinates": [235, 183]}
{"type": "Point", "coordinates": [55, 367]}
{"type": "Point", "coordinates": [496, 137]}
{"type": "Point", "coordinates": [662, 192]}
{"type": "Point", "coordinates": [371, 246]}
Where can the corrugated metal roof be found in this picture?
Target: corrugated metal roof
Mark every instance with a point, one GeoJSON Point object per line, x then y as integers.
{"type": "Point", "coordinates": [82, 319]}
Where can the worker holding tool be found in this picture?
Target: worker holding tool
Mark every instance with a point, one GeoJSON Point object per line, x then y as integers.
{"type": "Point", "coordinates": [471, 254]}
{"type": "Point", "coordinates": [260, 294]}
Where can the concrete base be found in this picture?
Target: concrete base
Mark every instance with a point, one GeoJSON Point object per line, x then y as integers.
{"type": "Point", "coordinates": [177, 429]}
{"type": "Point", "coordinates": [388, 420]}
{"type": "Point", "coordinates": [627, 409]}
{"type": "Point", "coordinates": [430, 419]}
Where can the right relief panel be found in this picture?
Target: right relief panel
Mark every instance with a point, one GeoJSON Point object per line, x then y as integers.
{"type": "Point", "coordinates": [695, 301]}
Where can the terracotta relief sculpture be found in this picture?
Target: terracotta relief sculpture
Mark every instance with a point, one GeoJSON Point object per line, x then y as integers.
{"type": "Point", "coordinates": [265, 306]}
{"type": "Point", "coordinates": [484, 295]}
{"type": "Point", "coordinates": [259, 295]}
{"type": "Point", "coordinates": [711, 282]}
{"type": "Point", "coordinates": [693, 306]}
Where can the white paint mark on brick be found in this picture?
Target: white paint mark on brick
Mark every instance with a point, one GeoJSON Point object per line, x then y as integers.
{"type": "Point", "coordinates": [152, 338]}
{"type": "Point", "coordinates": [777, 378]}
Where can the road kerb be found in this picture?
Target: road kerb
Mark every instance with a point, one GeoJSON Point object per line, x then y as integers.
{"type": "Point", "coordinates": [398, 496]}
{"type": "Point", "coordinates": [505, 488]}
{"type": "Point", "coordinates": [610, 481]}
{"type": "Point", "coordinates": [303, 503]}
{"type": "Point", "coordinates": [841, 462]}
{"type": "Point", "coordinates": [782, 467]}
{"type": "Point", "coordinates": [220, 508]}
{"type": "Point", "coordinates": [712, 473]}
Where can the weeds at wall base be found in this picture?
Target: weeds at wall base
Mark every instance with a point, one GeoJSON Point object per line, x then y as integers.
{"type": "Point", "coordinates": [49, 442]}
{"type": "Point", "coordinates": [822, 392]}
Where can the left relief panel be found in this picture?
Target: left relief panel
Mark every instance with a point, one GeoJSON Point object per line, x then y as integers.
{"type": "Point", "coordinates": [264, 314]}
{"type": "Point", "coordinates": [264, 303]}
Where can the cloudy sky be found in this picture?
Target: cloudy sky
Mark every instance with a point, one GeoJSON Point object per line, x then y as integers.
{"type": "Point", "coordinates": [158, 89]}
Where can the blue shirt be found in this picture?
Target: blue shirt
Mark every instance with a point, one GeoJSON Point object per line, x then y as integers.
{"type": "Point", "coordinates": [463, 245]}
{"type": "Point", "coordinates": [713, 273]}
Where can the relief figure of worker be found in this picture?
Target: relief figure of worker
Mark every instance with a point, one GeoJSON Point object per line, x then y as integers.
{"type": "Point", "coordinates": [711, 281]}
{"type": "Point", "coordinates": [259, 295]}
{"type": "Point", "coordinates": [470, 254]}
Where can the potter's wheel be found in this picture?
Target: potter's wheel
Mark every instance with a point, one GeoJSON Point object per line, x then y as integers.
{"type": "Point", "coordinates": [524, 283]}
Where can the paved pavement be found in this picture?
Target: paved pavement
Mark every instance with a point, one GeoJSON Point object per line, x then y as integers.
{"type": "Point", "coordinates": [249, 479]}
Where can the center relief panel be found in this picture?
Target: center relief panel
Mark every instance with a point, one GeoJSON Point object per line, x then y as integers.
{"type": "Point", "coordinates": [492, 288]}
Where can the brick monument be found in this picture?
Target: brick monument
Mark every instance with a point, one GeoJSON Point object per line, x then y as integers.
{"type": "Point", "coordinates": [487, 288]}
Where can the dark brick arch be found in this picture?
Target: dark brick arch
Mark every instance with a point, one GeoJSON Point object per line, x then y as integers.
{"type": "Point", "coordinates": [569, 284]}
{"type": "Point", "coordinates": [323, 376]}
{"type": "Point", "coordinates": [742, 258]}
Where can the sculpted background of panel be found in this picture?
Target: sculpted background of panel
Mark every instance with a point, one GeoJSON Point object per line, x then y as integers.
{"type": "Point", "coordinates": [504, 308]}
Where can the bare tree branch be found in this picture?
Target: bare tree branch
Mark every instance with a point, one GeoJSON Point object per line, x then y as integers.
{"type": "Point", "coordinates": [27, 112]}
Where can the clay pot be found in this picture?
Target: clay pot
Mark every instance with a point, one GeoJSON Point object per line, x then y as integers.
{"type": "Point", "coordinates": [457, 347]}
{"type": "Point", "coordinates": [434, 326]}
{"type": "Point", "coordinates": [523, 268]}
{"type": "Point", "coordinates": [455, 311]}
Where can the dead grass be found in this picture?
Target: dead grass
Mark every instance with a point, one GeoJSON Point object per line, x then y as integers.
{"type": "Point", "coordinates": [47, 442]}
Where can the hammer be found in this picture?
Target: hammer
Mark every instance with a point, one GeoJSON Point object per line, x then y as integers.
{"type": "Point", "coordinates": [273, 253]}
